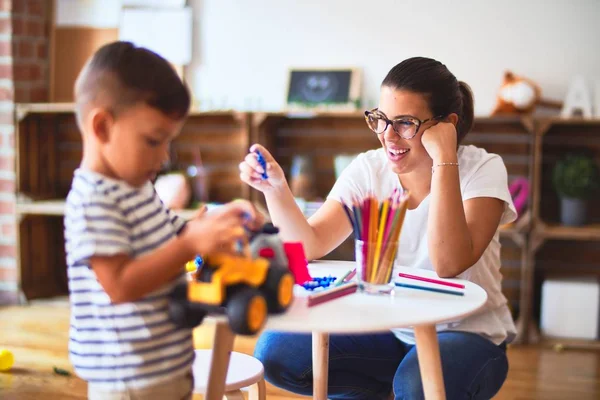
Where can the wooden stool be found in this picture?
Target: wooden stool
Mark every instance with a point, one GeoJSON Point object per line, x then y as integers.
{"type": "Point", "coordinates": [244, 371]}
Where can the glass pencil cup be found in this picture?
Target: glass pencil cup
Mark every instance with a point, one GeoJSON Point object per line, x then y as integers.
{"type": "Point", "coordinates": [374, 266]}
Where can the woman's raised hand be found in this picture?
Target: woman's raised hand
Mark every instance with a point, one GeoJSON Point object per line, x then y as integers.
{"type": "Point", "coordinates": [251, 170]}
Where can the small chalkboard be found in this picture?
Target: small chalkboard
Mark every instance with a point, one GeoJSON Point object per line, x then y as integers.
{"type": "Point", "coordinates": [324, 89]}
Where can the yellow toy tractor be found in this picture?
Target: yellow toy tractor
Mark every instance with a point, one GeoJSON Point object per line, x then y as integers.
{"type": "Point", "coordinates": [246, 286]}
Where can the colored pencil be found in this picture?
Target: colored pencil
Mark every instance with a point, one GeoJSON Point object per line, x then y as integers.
{"type": "Point", "coordinates": [429, 289]}
{"type": "Point", "coordinates": [372, 235]}
{"type": "Point", "coordinates": [390, 220]}
{"type": "Point", "coordinates": [420, 278]}
{"type": "Point", "coordinates": [382, 223]}
{"type": "Point", "coordinates": [342, 279]}
{"type": "Point", "coordinates": [331, 294]}
{"type": "Point", "coordinates": [357, 219]}
{"type": "Point", "coordinates": [350, 275]}
{"type": "Point", "coordinates": [389, 253]}
{"type": "Point", "coordinates": [377, 224]}
{"type": "Point", "coordinates": [352, 220]}
{"type": "Point", "coordinates": [365, 235]}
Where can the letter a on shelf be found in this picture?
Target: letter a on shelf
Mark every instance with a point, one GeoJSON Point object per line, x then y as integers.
{"type": "Point", "coordinates": [578, 99]}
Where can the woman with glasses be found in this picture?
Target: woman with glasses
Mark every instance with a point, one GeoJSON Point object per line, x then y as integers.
{"type": "Point", "coordinates": [459, 198]}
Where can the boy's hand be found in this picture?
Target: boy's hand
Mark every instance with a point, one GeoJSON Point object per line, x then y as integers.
{"type": "Point", "coordinates": [220, 229]}
{"type": "Point", "coordinates": [200, 212]}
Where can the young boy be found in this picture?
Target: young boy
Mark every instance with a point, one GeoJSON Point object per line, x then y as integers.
{"type": "Point", "coordinates": [125, 249]}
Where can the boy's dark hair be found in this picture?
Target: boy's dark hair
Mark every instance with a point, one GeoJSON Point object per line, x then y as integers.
{"type": "Point", "coordinates": [443, 92]}
{"type": "Point", "coordinates": [120, 75]}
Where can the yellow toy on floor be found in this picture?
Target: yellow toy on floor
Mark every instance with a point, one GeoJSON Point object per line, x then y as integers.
{"type": "Point", "coordinates": [7, 360]}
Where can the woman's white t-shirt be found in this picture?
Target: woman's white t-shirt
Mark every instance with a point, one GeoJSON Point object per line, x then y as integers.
{"type": "Point", "coordinates": [482, 174]}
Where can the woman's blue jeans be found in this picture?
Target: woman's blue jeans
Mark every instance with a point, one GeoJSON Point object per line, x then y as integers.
{"type": "Point", "coordinates": [370, 366]}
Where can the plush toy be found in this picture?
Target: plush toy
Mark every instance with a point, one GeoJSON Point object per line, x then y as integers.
{"type": "Point", "coordinates": [517, 95]}
{"type": "Point", "coordinates": [174, 190]}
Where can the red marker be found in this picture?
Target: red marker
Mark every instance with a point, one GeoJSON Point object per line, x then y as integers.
{"type": "Point", "coordinates": [330, 294]}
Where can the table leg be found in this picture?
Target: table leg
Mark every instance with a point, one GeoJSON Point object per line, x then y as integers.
{"type": "Point", "coordinates": [430, 364]}
{"type": "Point", "coordinates": [320, 353]}
{"type": "Point", "coordinates": [223, 345]}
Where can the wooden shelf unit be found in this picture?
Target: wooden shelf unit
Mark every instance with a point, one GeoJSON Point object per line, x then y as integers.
{"type": "Point", "coordinates": [319, 135]}
{"type": "Point", "coordinates": [554, 139]}
{"type": "Point", "coordinates": [557, 250]}
{"type": "Point", "coordinates": [323, 136]}
{"type": "Point", "coordinates": [57, 208]}
{"type": "Point", "coordinates": [49, 148]}
{"type": "Point", "coordinates": [512, 138]}
{"type": "Point", "coordinates": [560, 232]}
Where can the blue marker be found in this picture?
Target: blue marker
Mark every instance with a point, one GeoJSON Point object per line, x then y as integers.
{"type": "Point", "coordinates": [430, 289]}
{"type": "Point", "coordinates": [263, 163]}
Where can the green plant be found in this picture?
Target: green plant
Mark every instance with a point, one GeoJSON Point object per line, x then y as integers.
{"type": "Point", "coordinates": [576, 176]}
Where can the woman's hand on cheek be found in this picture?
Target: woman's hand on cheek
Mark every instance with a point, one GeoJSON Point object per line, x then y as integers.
{"type": "Point", "coordinates": [439, 141]}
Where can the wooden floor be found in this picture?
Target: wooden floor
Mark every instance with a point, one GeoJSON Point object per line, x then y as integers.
{"type": "Point", "coordinates": [37, 336]}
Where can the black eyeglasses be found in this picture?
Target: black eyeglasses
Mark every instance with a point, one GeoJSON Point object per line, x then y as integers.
{"type": "Point", "coordinates": [405, 126]}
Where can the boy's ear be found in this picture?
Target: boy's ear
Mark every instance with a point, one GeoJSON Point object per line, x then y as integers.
{"type": "Point", "coordinates": [101, 121]}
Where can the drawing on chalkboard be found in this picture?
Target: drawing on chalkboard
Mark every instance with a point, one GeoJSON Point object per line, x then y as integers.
{"type": "Point", "coordinates": [324, 89]}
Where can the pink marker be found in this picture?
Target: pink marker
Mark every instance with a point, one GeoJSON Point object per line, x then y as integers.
{"type": "Point", "coordinates": [420, 278]}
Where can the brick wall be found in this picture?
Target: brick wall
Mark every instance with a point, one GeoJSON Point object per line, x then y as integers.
{"type": "Point", "coordinates": [8, 271]}
{"type": "Point", "coordinates": [30, 20]}
{"type": "Point", "coordinates": [23, 78]}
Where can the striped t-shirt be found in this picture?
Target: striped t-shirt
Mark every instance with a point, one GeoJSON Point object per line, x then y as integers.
{"type": "Point", "coordinates": [128, 345]}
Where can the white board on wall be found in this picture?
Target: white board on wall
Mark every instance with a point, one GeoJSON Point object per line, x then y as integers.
{"type": "Point", "coordinates": [166, 32]}
{"type": "Point", "coordinates": [89, 13]}
{"type": "Point", "coordinates": [243, 53]}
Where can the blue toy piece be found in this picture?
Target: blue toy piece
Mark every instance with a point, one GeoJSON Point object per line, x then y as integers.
{"type": "Point", "coordinates": [198, 261]}
{"type": "Point", "coordinates": [263, 163]}
{"type": "Point", "coordinates": [319, 282]}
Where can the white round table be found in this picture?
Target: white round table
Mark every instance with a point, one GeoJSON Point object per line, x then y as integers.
{"type": "Point", "coordinates": [367, 313]}
{"type": "Point", "coordinates": [361, 313]}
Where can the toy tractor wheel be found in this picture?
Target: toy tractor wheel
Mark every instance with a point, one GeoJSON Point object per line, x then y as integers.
{"type": "Point", "coordinates": [181, 311]}
{"type": "Point", "coordinates": [279, 290]}
{"type": "Point", "coordinates": [179, 292]}
{"type": "Point", "coordinates": [247, 311]}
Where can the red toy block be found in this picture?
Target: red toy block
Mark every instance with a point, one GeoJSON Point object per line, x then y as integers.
{"type": "Point", "coordinates": [297, 262]}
